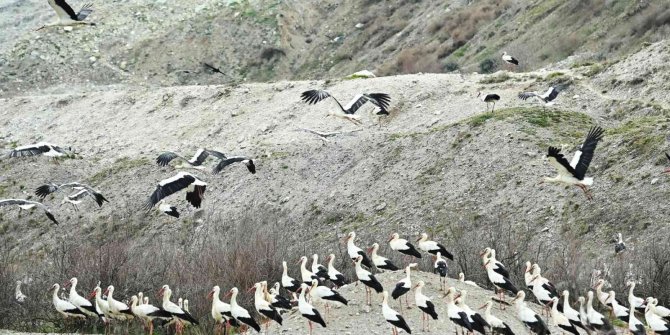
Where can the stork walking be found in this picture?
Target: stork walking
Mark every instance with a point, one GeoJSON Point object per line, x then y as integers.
{"type": "Point", "coordinates": [574, 172]}
{"type": "Point", "coordinates": [380, 100]}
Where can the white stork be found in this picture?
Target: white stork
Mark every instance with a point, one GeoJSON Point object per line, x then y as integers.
{"type": "Point", "coordinates": [247, 161]}
{"type": "Point", "coordinates": [477, 320]}
{"type": "Point", "coordinates": [318, 269]}
{"type": "Point", "coordinates": [543, 290]}
{"type": "Point", "coordinates": [528, 276]}
{"type": "Point", "coordinates": [80, 302]}
{"type": "Point", "coordinates": [117, 308]}
{"type": "Point", "coordinates": [305, 274]}
{"type": "Point", "coordinates": [529, 318]}
{"type": "Point", "coordinates": [489, 98]}
{"type": "Point", "coordinates": [379, 100]}
{"type": "Point", "coordinates": [83, 189]}
{"type": "Point", "coordinates": [461, 278]}
{"type": "Point", "coordinates": [369, 280]}
{"type": "Point", "coordinates": [26, 205]}
{"type": "Point", "coordinates": [196, 162]}
{"type": "Point", "coordinates": [277, 300]}
{"type": "Point", "coordinates": [148, 313]}
{"type": "Point", "coordinates": [496, 325]}
{"type": "Point", "coordinates": [288, 282]}
{"type": "Point", "coordinates": [659, 325]}
{"type": "Point", "coordinates": [264, 307]}
{"type": "Point", "coordinates": [327, 295]}
{"type": "Point", "coordinates": [433, 247]}
{"type": "Point", "coordinates": [64, 307]}
{"type": "Point", "coordinates": [547, 97]}
{"type": "Point", "coordinates": [403, 246]}
{"type": "Point", "coordinates": [336, 277]}
{"type": "Point", "coordinates": [221, 310]}
{"type": "Point", "coordinates": [509, 59]}
{"type": "Point", "coordinates": [381, 262]}
{"type": "Point", "coordinates": [404, 285]}
{"type": "Point", "coordinates": [239, 313]}
{"type": "Point", "coordinates": [456, 314]}
{"type": "Point", "coordinates": [490, 254]}
{"type": "Point", "coordinates": [425, 305]}
{"type": "Point", "coordinates": [635, 326]}
{"type": "Point", "coordinates": [18, 295]}
{"type": "Point", "coordinates": [620, 312]}
{"type": "Point", "coordinates": [663, 312]}
{"type": "Point", "coordinates": [308, 311]}
{"type": "Point", "coordinates": [178, 314]}
{"type": "Point", "coordinates": [560, 320]}
{"type": "Point", "coordinates": [102, 306]}
{"type": "Point", "coordinates": [67, 16]}
{"type": "Point", "coordinates": [596, 320]}
{"type": "Point", "coordinates": [602, 296]}
{"type": "Point", "coordinates": [41, 148]}
{"type": "Point", "coordinates": [392, 317]}
{"type": "Point", "coordinates": [574, 173]}
{"type": "Point", "coordinates": [636, 303]}
{"type": "Point", "coordinates": [440, 267]}
{"type": "Point", "coordinates": [619, 244]}
{"type": "Point", "coordinates": [569, 312]}
{"type": "Point", "coordinates": [195, 189]}
{"type": "Point", "coordinates": [501, 282]}
{"type": "Point", "coordinates": [355, 251]}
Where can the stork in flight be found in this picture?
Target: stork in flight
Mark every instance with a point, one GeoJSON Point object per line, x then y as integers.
{"type": "Point", "coordinates": [67, 16]}
{"type": "Point", "coordinates": [195, 163]}
{"type": "Point", "coordinates": [380, 100]}
{"type": "Point", "coordinates": [41, 148]}
{"type": "Point", "coordinates": [574, 172]}
{"type": "Point", "coordinates": [195, 189]}
{"type": "Point", "coordinates": [25, 205]}
{"type": "Point", "coordinates": [247, 161]}
{"type": "Point", "coordinates": [547, 97]}
{"type": "Point", "coordinates": [83, 191]}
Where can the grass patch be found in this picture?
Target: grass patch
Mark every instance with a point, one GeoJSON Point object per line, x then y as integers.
{"type": "Point", "coordinates": [501, 78]}
{"type": "Point", "coordinates": [644, 135]}
{"type": "Point", "coordinates": [554, 75]}
{"type": "Point", "coordinates": [480, 119]}
{"type": "Point", "coordinates": [121, 164]}
{"type": "Point", "coordinates": [594, 70]}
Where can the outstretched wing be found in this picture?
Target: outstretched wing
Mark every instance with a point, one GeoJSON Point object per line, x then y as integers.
{"type": "Point", "coordinates": [62, 9]}
{"type": "Point", "coordinates": [217, 154]}
{"type": "Point", "coordinates": [313, 96]}
{"type": "Point", "coordinates": [380, 100]}
{"type": "Point", "coordinates": [168, 187]}
{"type": "Point", "coordinates": [551, 94]}
{"type": "Point", "coordinates": [589, 146]}
{"type": "Point", "coordinates": [199, 157]}
{"type": "Point", "coordinates": [559, 161]}
{"type": "Point", "coordinates": [45, 190]}
{"type": "Point", "coordinates": [165, 158]}
{"type": "Point", "coordinates": [9, 202]}
{"type": "Point", "coordinates": [29, 150]}
{"type": "Point", "coordinates": [84, 12]}
{"type": "Point", "coordinates": [247, 161]}
{"type": "Point", "coordinates": [526, 95]}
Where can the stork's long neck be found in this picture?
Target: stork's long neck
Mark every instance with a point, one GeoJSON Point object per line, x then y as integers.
{"type": "Point", "coordinates": [285, 272]}
{"type": "Point", "coordinates": [215, 297]}
{"type": "Point", "coordinates": [419, 290]}
{"type": "Point", "coordinates": [374, 251]}
{"type": "Point", "coordinates": [18, 287]}
{"type": "Point", "coordinates": [303, 266]}
{"type": "Point", "coordinates": [233, 299]}
{"type": "Point", "coordinates": [351, 245]}
{"type": "Point", "coordinates": [589, 303]}
{"type": "Point", "coordinates": [407, 271]}
{"type": "Point", "coordinates": [55, 294]}
{"type": "Point", "coordinates": [330, 264]}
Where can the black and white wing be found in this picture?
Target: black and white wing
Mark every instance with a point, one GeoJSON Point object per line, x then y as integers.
{"type": "Point", "coordinates": [588, 147]}
{"type": "Point", "coordinates": [62, 9]}
{"type": "Point", "coordinates": [169, 187]}
{"type": "Point", "coordinates": [212, 68]}
{"type": "Point", "coordinates": [559, 161]}
{"type": "Point", "coordinates": [313, 96]}
{"type": "Point", "coordinates": [217, 154]}
{"type": "Point", "coordinates": [550, 94]}
{"type": "Point", "coordinates": [246, 160]}
{"type": "Point", "coordinates": [381, 100]}
{"type": "Point", "coordinates": [30, 150]}
{"type": "Point", "coordinates": [526, 95]}
{"type": "Point", "coordinates": [44, 190]}
{"type": "Point", "coordinates": [47, 189]}
{"type": "Point", "coordinates": [199, 157]}
{"type": "Point", "coordinates": [21, 202]}
{"type": "Point", "coordinates": [84, 12]}
{"type": "Point", "coordinates": [165, 158]}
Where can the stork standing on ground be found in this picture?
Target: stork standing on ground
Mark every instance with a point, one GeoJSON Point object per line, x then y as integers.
{"type": "Point", "coordinates": [529, 318]}
{"type": "Point", "coordinates": [277, 300]}
{"type": "Point", "coordinates": [603, 297]}
{"type": "Point", "coordinates": [661, 311]}
{"type": "Point", "coordinates": [659, 325]}
{"type": "Point", "coordinates": [396, 320]}
{"type": "Point", "coordinates": [547, 98]}
{"type": "Point", "coordinates": [496, 325]}
{"type": "Point", "coordinates": [619, 244]}
{"type": "Point", "coordinates": [80, 302]}
{"type": "Point", "coordinates": [318, 269]}
{"type": "Point", "coordinates": [196, 162]}
{"type": "Point", "coordinates": [148, 313]}
{"type": "Point", "coordinates": [241, 314]}
{"type": "Point", "coordinates": [83, 190]}
{"type": "Point", "coordinates": [379, 100]}
{"type": "Point", "coordinates": [180, 316]}
{"type": "Point", "coordinates": [528, 276]}
{"type": "Point", "coordinates": [263, 306]}
{"type": "Point", "coordinates": [26, 205]}
{"type": "Point", "coordinates": [569, 312]}
{"type": "Point", "coordinates": [543, 290]}
{"type": "Point", "coordinates": [667, 170]}
{"type": "Point", "coordinates": [489, 98]}
{"type": "Point", "coordinates": [456, 314]}
{"type": "Point", "coordinates": [490, 254]}
{"type": "Point", "coordinates": [305, 274]}
{"type": "Point", "coordinates": [560, 320]}
{"type": "Point", "coordinates": [355, 251]}
{"type": "Point", "coordinates": [440, 267]}
{"type": "Point", "coordinates": [369, 280]}
{"type": "Point", "coordinates": [461, 278]}
{"type": "Point", "coordinates": [287, 282]}
{"type": "Point", "coordinates": [67, 16]}
{"type": "Point", "coordinates": [195, 189]}
{"type": "Point", "coordinates": [403, 286]}
{"type": "Point", "coordinates": [620, 312]}
{"type": "Point", "coordinates": [327, 295]}
{"type": "Point", "coordinates": [65, 308]}
{"type": "Point", "coordinates": [574, 172]}
{"type": "Point", "coordinates": [221, 311]}
{"type": "Point", "coordinates": [117, 308]}
{"type": "Point", "coordinates": [636, 303]}
{"type": "Point", "coordinates": [425, 305]}
{"type": "Point", "coordinates": [433, 247]}
{"type": "Point", "coordinates": [477, 320]}
{"type": "Point", "coordinates": [583, 316]}
{"type": "Point", "coordinates": [596, 320]}
{"type": "Point", "coordinates": [102, 305]}
{"type": "Point", "coordinates": [501, 282]}
{"type": "Point", "coordinates": [381, 262]}
{"type": "Point", "coordinates": [508, 59]}
{"type": "Point", "coordinates": [18, 295]}
{"type": "Point", "coordinates": [308, 311]}
{"type": "Point", "coordinates": [635, 326]}
{"type": "Point", "coordinates": [335, 277]}
{"type": "Point", "coordinates": [403, 246]}
{"type": "Point", "coordinates": [41, 148]}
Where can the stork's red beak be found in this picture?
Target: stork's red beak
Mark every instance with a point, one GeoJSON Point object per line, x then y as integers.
{"type": "Point", "coordinates": [228, 294]}
{"type": "Point", "coordinates": [90, 296]}
{"type": "Point", "coordinates": [251, 288]}
{"type": "Point", "coordinates": [210, 295]}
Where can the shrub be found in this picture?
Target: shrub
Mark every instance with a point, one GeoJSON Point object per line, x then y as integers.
{"type": "Point", "coordinates": [487, 66]}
